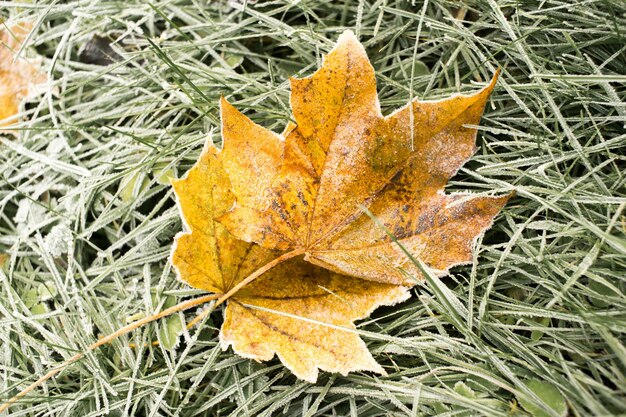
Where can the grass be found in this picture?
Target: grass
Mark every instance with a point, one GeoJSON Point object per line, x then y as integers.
{"type": "Point", "coordinates": [87, 222]}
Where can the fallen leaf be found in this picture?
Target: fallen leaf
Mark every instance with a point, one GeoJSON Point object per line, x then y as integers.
{"type": "Point", "coordinates": [267, 196]}
{"type": "Point", "coordinates": [299, 311]}
{"type": "Point", "coordinates": [18, 75]}
{"type": "Point", "coordinates": [307, 192]}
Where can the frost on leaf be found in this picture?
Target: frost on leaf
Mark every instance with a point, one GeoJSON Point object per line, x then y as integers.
{"type": "Point", "coordinates": [308, 191]}
{"type": "Point", "coordinates": [299, 311]}
{"type": "Point", "coordinates": [18, 74]}
{"type": "Point", "coordinates": [265, 194]}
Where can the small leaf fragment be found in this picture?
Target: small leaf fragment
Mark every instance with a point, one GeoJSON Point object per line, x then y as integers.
{"type": "Point", "coordinates": [604, 292]}
{"type": "Point", "coordinates": [39, 308]}
{"type": "Point", "coordinates": [461, 388]}
{"type": "Point", "coordinates": [46, 291]}
{"type": "Point", "coordinates": [30, 298]}
{"type": "Point", "coordinates": [170, 331]}
{"type": "Point", "coordinates": [549, 395]}
{"type": "Point", "coordinates": [163, 174]}
{"type": "Point", "coordinates": [535, 335]}
{"type": "Point", "coordinates": [132, 186]}
{"type": "Point", "coordinates": [170, 328]}
{"type": "Point", "coordinates": [18, 74]}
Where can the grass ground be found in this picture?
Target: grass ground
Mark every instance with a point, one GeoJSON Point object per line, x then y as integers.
{"type": "Point", "coordinates": [536, 326]}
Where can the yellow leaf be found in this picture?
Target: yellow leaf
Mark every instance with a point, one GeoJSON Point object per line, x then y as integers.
{"type": "Point", "coordinates": [18, 74]}
{"type": "Point", "coordinates": [308, 192]}
{"type": "Point", "coordinates": [299, 311]}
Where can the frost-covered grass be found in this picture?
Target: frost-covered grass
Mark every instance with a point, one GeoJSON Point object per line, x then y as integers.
{"type": "Point", "coordinates": [87, 218]}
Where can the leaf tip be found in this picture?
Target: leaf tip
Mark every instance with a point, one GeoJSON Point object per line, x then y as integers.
{"type": "Point", "coordinates": [504, 198]}
{"type": "Point", "coordinates": [494, 81]}
{"type": "Point", "coordinates": [347, 36]}
{"type": "Point", "coordinates": [174, 182]}
{"type": "Point", "coordinates": [348, 41]}
{"type": "Point", "coordinates": [224, 104]}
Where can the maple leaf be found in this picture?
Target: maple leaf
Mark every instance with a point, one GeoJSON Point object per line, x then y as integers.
{"type": "Point", "coordinates": [17, 74]}
{"type": "Point", "coordinates": [307, 193]}
{"type": "Point", "coordinates": [299, 311]}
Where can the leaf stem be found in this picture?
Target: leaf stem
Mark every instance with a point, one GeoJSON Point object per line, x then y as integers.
{"type": "Point", "coordinates": [245, 282]}
{"type": "Point", "coordinates": [139, 323]}
{"type": "Point", "coordinates": [258, 273]}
